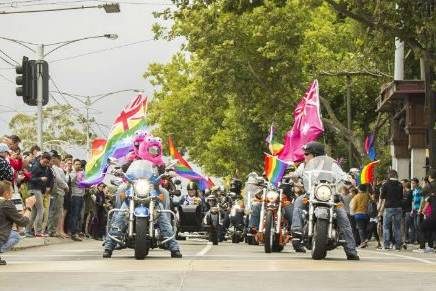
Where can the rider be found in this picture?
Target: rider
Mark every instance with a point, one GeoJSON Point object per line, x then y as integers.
{"type": "Point", "coordinates": [311, 150]}
{"type": "Point", "coordinates": [287, 206]}
{"type": "Point", "coordinates": [193, 197]}
{"type": "Point", "coordinates": [147, 148]}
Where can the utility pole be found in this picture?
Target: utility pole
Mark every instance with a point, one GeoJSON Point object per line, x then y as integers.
{"type": "Point", "coordinates": [39, 74]}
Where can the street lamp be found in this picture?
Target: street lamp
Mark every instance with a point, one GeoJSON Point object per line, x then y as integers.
{"type": "Point", "coordinates": [108, 8]}
{"type": "Point", "coordinates": [40, 57]}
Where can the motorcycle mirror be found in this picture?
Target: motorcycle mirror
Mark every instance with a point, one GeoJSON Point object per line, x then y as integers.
{"type": "Point", "coordinates": [177, 182]}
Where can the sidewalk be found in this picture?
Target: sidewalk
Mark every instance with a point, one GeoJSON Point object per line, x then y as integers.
{"type": "Point", "coordinates": [31, 242]}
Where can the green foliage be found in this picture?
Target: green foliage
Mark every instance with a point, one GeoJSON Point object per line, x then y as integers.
{"type": "Point", "coordinates": [245, 64]}
{"type": "Point", "coordinates": [60, 127]}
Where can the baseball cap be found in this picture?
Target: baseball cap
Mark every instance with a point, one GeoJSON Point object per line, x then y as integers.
{"type": "Point", "coordinates": [4, 148]}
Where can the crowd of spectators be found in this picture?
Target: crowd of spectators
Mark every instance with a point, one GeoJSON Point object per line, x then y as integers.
{"type": "Point", "coordinates": [44, 190]}
{"type": "Point", "coordinates": [397, 213]}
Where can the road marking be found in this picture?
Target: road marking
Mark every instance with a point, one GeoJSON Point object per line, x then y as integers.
{"type": "Point", "coordinates": [205, 250]}
{"type": "Point", "coordinates": [402, 256]}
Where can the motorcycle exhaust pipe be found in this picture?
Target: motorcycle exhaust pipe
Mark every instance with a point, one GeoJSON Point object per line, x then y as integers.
{"type": "Point", "coordinates": [131, 217]}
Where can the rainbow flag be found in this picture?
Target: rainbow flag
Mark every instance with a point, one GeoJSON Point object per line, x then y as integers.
{"type": "Point", "coordinates": [274, 147]}
{"type": "Point", "coordinates": [184, 170]}
{"type": "Point", "coordinates": [367, 173]}
{"type": "Point", "coordinates": [119, 142]}
{"type": "Point", "coordinates": [274, 168]}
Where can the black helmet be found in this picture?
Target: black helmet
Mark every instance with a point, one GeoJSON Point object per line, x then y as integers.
{"type": "Point", "coordinates": [192, 186]}
{"type": "Point", "coordinates": [315, 148]}
{"type": "Point", "coordinates": [235, 186]}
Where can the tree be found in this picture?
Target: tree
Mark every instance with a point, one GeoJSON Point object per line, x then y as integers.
{"type": "Point", "coordinates": [60, 127]}
{"type": "Point", "coordinates": [245, 64]}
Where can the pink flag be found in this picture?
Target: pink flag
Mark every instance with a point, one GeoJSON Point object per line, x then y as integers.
{"type": "Point", "coordinates": [307, 126]}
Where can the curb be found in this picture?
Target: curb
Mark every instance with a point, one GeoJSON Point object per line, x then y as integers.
{"type": "Point", "coordinates": [33, 242]}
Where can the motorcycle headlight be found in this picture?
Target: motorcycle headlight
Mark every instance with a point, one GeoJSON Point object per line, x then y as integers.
{"type": "Point", "coordinates": [272, 196]}
{"type": "Point", "coordinates": [142, 188]}
{"type": "Point", "coordinates": [323, 193]}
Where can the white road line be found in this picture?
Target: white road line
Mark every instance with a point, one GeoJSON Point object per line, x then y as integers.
{"type": "Point", "coordinates": [205, 250]}
{"type": "Point", "coordinates": [402, 256]}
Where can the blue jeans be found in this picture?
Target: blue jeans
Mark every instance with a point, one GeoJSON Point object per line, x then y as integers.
{"type": "Point", "coordinates": [255, 214]}
{"type": "Point", "coordinates": [341, 218]}
{"type": "Point", "coordinates": [118, 226]}
{"type": "Point", "coordinates": [13, 239]}
{"type": "Point", "coordinates": [76, 209]}
{"type": "Point", "coordinates": [392, 216]}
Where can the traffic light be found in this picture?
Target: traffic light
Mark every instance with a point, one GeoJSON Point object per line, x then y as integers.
{"type": "Point", "coordinates": [27, 81]}
{"type": "Point", "coordinates": [24, 78]}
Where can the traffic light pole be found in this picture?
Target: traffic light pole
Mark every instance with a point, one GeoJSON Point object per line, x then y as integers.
{"type": "Point", "coordinates": [39, 121]}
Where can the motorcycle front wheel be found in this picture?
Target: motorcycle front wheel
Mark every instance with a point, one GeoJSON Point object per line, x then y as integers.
{"type": "Point", "coordinates": [269, 232]}
{"type": "Point", "coordinates": [319, 240]}
{"type": "Point", "coordinates": [214, 227]}
{"type": "Point", "coordinates": [142, 244]}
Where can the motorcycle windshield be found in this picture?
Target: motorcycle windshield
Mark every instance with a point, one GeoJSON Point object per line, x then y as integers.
{"type": "Point", "coordinates": [140, 169]}
{"type": "Point", "coordinates": [317, 170]}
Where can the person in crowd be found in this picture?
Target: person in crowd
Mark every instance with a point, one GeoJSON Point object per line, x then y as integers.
{"type": "Point", "coordinates": [59, 188]}
{"type": "Point", "coordinates": [9, 215]}
{"type": "Point", "coordinates": [359, 208]}
{"type": "Point", "coordinates": [373, 220]}
{"type": "Point", "coordinates": [391, 196]}
{"type": "Point", "coordinates": [6, 171]}
{"type": "Point", "coordinates": [353, 193]}
{"type": "Point", "coordinates": [35, 154]}
{"type": "Point", "coordinates": [417, 198]}
{"type": "Point", "coordinates": [98, 223]}
{"type": "Point", "coordinates": [65, 221]}
{"type": "Point", "coordinates": [406, 220]}
{"type": "Point", "coordinates": [77, 199]}
{"type": "Point", "coordinates": [40, 184]}
{"type": "Point", "coordinates": [428, 211]}
{"type": "Point", "coordinates": [13, 142]}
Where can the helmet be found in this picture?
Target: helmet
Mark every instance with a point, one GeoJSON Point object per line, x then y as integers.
{"type": "Point", "coordinates": [235, 186]}
{"type": "Point", "coordinates": [315, 148]}
{"type": "Point", "coordinates": [192, 186]}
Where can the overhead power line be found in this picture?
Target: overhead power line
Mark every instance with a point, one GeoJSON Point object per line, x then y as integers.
{"type": "Point", "coordinates": [6, 78]}
{"type": "Point", "coordinates": [101, 50]}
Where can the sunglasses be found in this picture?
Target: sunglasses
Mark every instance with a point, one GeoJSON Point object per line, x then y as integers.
{"type": "Point", "coordinates": [306, 154]}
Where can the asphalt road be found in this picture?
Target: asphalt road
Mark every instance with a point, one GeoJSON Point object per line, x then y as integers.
{"type": "Point", "coordinates": [79, 266]}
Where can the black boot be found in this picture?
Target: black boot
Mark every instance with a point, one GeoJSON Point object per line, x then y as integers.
{"type": "Point", "coordinates": [176, 254]}
{"type": "Point", "coordinates": [353, 257]}
{"type": "Point", "coordinates": [107, 254]}
{"type": "Point", "coordinates": [2, 262]}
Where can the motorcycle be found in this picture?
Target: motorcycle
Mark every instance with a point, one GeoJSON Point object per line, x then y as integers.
{"type": "Point", "coordinates": [237, 218]}
{"type": "Point", "coordinates": [215, 218]}
{"type": "Point", "coordinates": [321, 231]}
{"type": "Point", "coordinates": [141, 184]}
{"type": "Point", "coordinates": [273, 228]}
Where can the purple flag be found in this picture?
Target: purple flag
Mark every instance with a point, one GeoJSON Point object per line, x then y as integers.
{"type": "Point", "coordinates": [307, 125]}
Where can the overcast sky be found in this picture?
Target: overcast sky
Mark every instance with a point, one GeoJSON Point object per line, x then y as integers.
{"type": "Point", "coordinates": [112, 70]}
